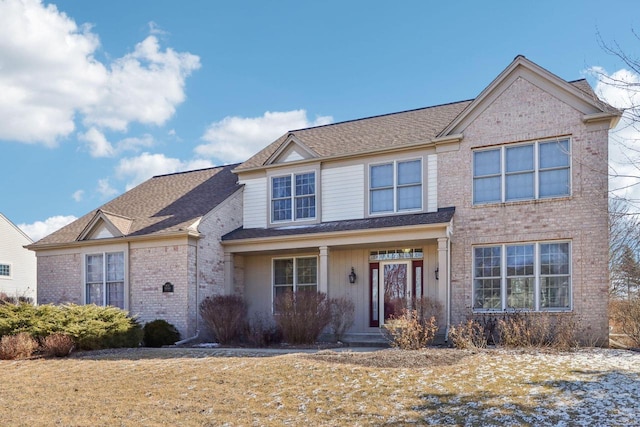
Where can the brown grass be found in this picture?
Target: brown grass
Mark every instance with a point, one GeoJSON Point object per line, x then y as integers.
{"type": "Point", "coordinates": [201, 387]}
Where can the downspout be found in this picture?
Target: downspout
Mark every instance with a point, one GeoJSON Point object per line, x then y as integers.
{"type": "Point", "coordinates": [446, 335]}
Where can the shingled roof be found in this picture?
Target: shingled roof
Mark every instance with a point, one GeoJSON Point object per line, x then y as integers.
{"type": "Point", "coordinates": [380, 132]}
{"type": "Point", "coordinates": [164, 204]}
{"type": "Point", "coordinates": [442, 216]}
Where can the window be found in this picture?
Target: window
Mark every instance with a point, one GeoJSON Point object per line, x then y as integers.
{"type": "Point", "coordinates": [293, 197]}
{"type": "Point", "coordinates": [522, 172]}
{"type": "Point", "coordinates": [532, 276]}
{"type": "Point", "coordinates": [105, 280]}
{"type": "Point", "coordinates": [294, 274]}
{"type": "Point", "coordinates": [395, 187]}
{"type": "Point", "coordinates": [5, 270]}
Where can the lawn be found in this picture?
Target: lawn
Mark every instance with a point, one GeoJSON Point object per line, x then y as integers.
{"type": "Point", "coordinates": [200, 387]}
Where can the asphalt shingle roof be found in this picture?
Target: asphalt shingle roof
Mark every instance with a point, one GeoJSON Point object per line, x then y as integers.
{"type": "Point", "coordinates": [442, 216]}
{"type": "Point", "coordinates": [160, 205]}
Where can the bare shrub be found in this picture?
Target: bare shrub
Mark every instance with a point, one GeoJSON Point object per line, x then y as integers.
{"type": "Point", "coordinates": [342, 316]}
{"type": "Point", "coordinates": [556, 330]}
{"type": "Point", "coordinates": [262, 331]}
{"type": "Point", "coordinates": [625, 315]}
{"type": "Point", "coordinates": [57, 345]}
{"type": "Point", "coordinates": [468, 335]}
{"type": "Point", "coordinates": [302, 315]}
{"type": "Point", "coordinates": [408, 332]}
{"type": "Point", "coordinates": [226, 316]}
{"type": "Point", "coordinates": [426, 308]}
{"type": "Point", "coordinates": [20, 346]}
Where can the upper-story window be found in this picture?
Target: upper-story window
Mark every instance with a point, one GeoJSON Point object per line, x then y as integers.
{"type": "Point", "coordinates": [522, 172]}
{"type": "Point", "coordinates": [395, 186]}
{"type": "Point", "coordinates": [5, 270]}
{"type": "Point", "coordinates": [293, 197]}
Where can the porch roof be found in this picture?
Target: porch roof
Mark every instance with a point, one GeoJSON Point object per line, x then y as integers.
{"type": "Point", "coordinates": [442, 216]}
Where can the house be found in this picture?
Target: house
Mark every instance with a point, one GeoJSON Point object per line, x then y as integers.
{"type": "Point", "coordinates": [153, 251]}
{"type": "Point", "coordinates": [488, 205]}
{"type": "Point", "coordinates": [17, 264]}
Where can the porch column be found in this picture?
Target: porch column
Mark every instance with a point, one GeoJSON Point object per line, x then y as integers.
{"type": "Point", "coordinates": [323, 270]}
{"type": "Point", "coordinates": [443, 270]}
{"type": "Point", "coordinates": [228, 273]}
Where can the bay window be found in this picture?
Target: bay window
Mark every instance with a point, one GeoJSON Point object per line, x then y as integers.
{"type": "Point", "coordinates": [531, 276]}
{"type": "Point", "coordinates": [522, 172]}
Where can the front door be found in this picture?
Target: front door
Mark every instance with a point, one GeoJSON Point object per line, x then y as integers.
{"type": "Point", "coordinates": [395, 287]}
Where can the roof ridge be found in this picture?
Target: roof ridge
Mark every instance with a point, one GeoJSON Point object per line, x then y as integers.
{"type": "Point", "coordinates": [380, 115]}
{"type": "Point", "coordinates": [197, 170]}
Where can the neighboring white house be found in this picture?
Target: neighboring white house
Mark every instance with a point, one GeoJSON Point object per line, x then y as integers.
{"type": "Point", "coordinates": [17, 264]}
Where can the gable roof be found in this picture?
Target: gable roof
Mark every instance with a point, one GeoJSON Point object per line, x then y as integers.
{"type": "Point", "coordinates": [15, 227]}
{"type": "Point", "coordinates": [162, 205]}
{"type": "Point", "coordinates": [423, 125]}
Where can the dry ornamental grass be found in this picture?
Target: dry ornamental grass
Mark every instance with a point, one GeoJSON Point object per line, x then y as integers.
{"type": "Point", "coordinates": [200, 387]}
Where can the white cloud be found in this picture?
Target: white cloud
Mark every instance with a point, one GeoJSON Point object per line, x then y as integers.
{"type": "Point", "coordinates": [48, 75]}
{"type": "Point", "coordinates": [236, 139]}
{"type": "Point", "coordinates": [97, 143]}
{"type": "Point", "coordinates": [78, 195]}
{"type": "Point", "coordinates": [144, 86]}
{"type": "Point", "coordinates": [40, 229]}
{"type": "Point", "coordinates": [105, 189]}
{"type": "Point", "coordinates": [620, 89]}
{"type": "Point", "coordinates": [138, 169]}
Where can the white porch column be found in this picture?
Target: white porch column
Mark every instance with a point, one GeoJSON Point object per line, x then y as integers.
{"type": "Point", "coordinates": [323, 270]}
{"type": "Point", "coordinates": [443, 271]}
{"type": "Point", "coordinates": [228, 273]}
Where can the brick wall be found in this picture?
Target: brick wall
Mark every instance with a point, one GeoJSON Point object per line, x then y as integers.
{"type": "Point", "coordinates": [60, 279]}
{"type": "Point", "coordinates": [524, 112]}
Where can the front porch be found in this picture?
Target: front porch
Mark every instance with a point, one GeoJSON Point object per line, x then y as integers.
{"type": "Point", "coordinates": [403, 262]}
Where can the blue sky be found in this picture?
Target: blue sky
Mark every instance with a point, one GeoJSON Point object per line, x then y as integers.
{"type": "Point", "coordinates": [96, 97]}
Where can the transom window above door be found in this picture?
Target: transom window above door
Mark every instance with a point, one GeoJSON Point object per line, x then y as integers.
{"type": "Point", "coordinates": [293, 197]}
{"type": "Point", "coordinates": [395, 186]}
{"type": "Point", "coordinates": [530, 171]}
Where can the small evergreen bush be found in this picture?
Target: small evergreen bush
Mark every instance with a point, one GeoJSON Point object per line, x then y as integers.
{"type": "Point", "coordinates": [160, 332]}
{"type": "Point", "coordinates": [19, 346]}
{"type": "Point", "coordinates": [225, 315]}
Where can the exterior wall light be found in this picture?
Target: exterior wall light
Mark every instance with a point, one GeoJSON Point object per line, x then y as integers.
{"type": "Point", "coordinates": [437, 272]}
{"type": "Point", "coordinates": [167, 287]}
{"type": "Point", "coordinates": [352, 276]}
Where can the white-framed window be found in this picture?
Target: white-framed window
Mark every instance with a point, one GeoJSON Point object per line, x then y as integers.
{"type": "Point", "coordinates": [395, 186]}
{"type": "Point", "coordinates": [293, 197]}
{"type": "Point", "coordinates": [5, 271]}
{"type": "Point", "coordinates": [294, 274]}
{"type": "Point", "coordinates": [104, 279]}
{"type": "Point", "coordinates": [536, 170]}
{"type": "Point", "coordinates": [522, 276]}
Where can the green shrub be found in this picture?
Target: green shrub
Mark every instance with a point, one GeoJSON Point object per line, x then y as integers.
{"type": "Point", "coordinates": [160, 332]}
{"type": "Point", "coordinates": [226, 316]}
{"type": "Point", "coordinates": [91, 327]}
{"type": "Point", "coordinates": [19, 346]}
{"type": "Point", "coordinates": [408, 332]}
{"type": "Point", "coordinates": [302, 315]}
